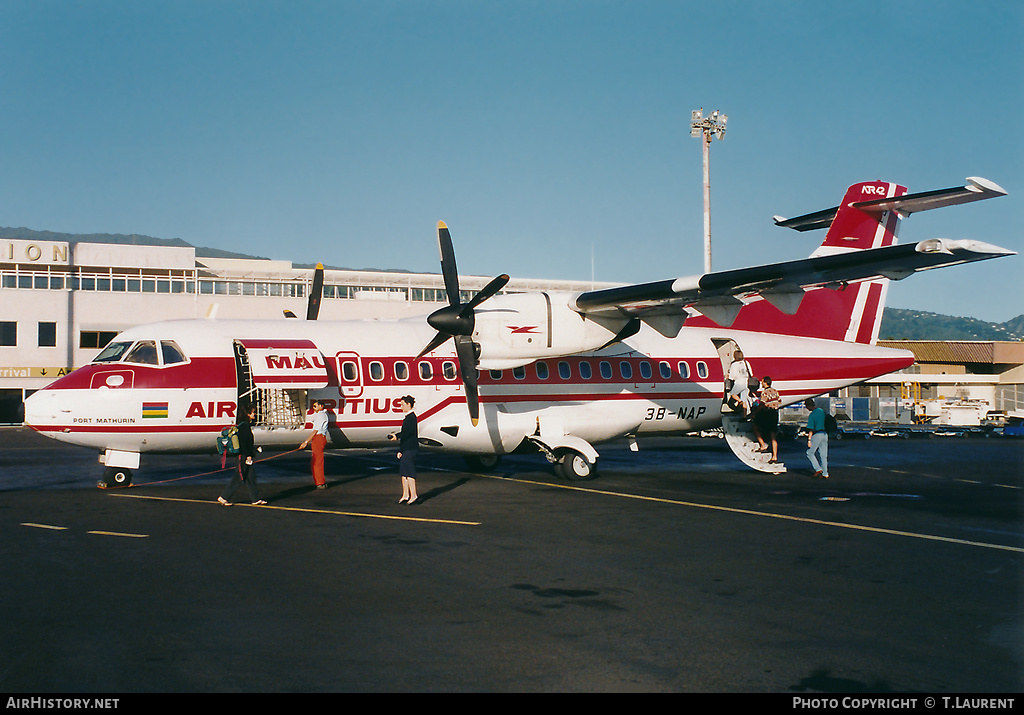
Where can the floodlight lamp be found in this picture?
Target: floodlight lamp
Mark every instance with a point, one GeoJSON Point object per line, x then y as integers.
{"type": "Point", "coordinates": [697, 115]}
{"type": "Point", "coordinates": [695, 131]}
{"type": "Point", "coordinates": [725, 118]}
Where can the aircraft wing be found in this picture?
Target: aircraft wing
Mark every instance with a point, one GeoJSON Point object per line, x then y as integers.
{"type": "Point", "coordinates": [781, 284]}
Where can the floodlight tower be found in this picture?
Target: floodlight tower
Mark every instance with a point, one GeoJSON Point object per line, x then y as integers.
{"type": "Point", "coordinates": [707, 127]}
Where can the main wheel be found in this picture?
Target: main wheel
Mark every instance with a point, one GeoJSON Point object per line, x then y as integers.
{"type": "Point", "coordinates": [117, 477]}
{"type": "Point", "coordinates": [575, 466]}
{"type": "Point", "coordinates": [482, 462]}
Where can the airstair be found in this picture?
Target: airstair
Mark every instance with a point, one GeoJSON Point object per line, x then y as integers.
{"type": "Point", "coordinates": [739, 435]}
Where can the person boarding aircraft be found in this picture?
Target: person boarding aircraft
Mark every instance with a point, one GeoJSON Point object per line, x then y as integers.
{"type": "Point", "coordinates": [552, 372]}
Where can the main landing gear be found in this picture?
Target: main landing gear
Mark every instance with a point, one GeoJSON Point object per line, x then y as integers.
{"type": "Point", "coordinates": [572, 457]}
{"type": "Point", "coordinates": [574, 466]}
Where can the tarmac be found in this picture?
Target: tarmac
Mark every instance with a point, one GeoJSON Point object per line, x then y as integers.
{"type": "Point", "coordinates": [676, 570]}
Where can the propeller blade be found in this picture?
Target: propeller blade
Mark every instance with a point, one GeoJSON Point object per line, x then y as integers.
{"type": "Point", "coordinates": [466, 352]}
{"type": "Point", "coordinates": [488, 291]}
{"type": "Point", "coordinates": [438, 340]}
{"type": "Point", "coordinates": [457, 320]}
{"type": "Point", "coordinates": [448, 269]}
{"type": "Point", "coordinates": [316, 292]}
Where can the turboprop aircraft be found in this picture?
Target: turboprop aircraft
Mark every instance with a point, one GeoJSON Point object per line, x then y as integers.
{"type": "Point", "coordinates": [552, 372]}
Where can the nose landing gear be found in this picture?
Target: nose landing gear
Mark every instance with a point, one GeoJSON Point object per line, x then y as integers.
{"type": "Point", "coordinates": [115, 477]}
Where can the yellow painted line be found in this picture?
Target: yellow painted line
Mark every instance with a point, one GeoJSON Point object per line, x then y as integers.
{"type": "Point", "coordinates": [770, 515]}
{"type": "Point", "coordinates": [306, 510]}
{"type": "Point", "coordinates": [44, 526]}
{"type": "Point", "coordinates": [118, 533]}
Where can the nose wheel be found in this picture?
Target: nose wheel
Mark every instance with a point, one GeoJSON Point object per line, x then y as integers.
{"type": "Point", "coordinates": [114, 477]}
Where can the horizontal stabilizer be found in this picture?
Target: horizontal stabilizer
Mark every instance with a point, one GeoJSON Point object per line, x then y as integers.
{"type": "Point", "coordinates": [976, 189]}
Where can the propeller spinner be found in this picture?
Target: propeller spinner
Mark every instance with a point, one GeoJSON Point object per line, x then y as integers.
{"type": "Point", "coordinates": [457, 320]}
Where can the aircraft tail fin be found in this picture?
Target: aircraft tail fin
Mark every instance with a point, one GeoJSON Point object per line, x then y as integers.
{"type": "Point", "coordinates": [855, 310]}
{"type": "Point", "coordinates": [850, 312]}
{"type": "Point", "coordinates": [868, 217]}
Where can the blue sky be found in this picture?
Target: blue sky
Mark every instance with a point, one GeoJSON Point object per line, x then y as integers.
{"type": "Point", "coordinates": [551, 136]}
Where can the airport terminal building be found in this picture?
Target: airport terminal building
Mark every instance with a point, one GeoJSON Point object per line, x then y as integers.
{"type": "Point", "coordinates": [61, 302]}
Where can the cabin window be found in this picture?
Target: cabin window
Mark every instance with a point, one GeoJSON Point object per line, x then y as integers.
{"type": "Point", "coordinates": [586, 371]}
{"type": "Point", "coordinates": [349, 371]}
{"type": "Point", "coordinates": [684, 370]}
{"type": "Point", "coordinates": [171, 353]}
{"type": "Point", "coordinates": [496, 375]}
{"type": "Point", "coordinates": [645, 370]}
{"type": "Point", "coordinates": [448, 370]}
{"type": "Point", "coordinates": [665, 369]}
{"type": "Point", "coordinates": [626, 370]}
{"type": "Point", "coordinates": [519, 373]}
{"type": "Point", "coordinates": [564, 371]}
{"type": "Point", "coordinates": [542, 370]}
{"type": "Point", "coordinates": [113, 352]}
{"type": "Point", "coordinates": [401, 371]}
{"type": "Point", "coordinates": [702, 369]}
{"type": "Point", "coordinates": [144, 353]}
{"type": "Point", "coordinates": [606, 370]}
{"type": "Point", "coordinates": [426, 370]}
{"type": "Point", "coordinates": [376, 371]}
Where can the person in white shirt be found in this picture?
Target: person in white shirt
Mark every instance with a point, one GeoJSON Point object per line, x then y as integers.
{"type": "Point", "coordinates": [740, 374]}
{"type": "Point", "coordinates": [318, 440]}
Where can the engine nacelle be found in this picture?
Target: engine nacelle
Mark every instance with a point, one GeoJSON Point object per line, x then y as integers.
{"type": "Point", "coordinates": [517, 328]}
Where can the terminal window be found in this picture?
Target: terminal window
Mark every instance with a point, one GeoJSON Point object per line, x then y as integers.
{"type": "Point", "coordinates": [47, 335]}
{"type": "Point", "coordinates": [8, 333]}
{"type": "Point", "coordinates": [95, 338]}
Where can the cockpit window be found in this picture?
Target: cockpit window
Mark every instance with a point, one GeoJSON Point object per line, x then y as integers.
{"type": "Point", "coordinates": [113, 352]}
{"type": "Point", "coordinates": [143, 353]}
{"type": "Point", "coordinates": [171, 352]}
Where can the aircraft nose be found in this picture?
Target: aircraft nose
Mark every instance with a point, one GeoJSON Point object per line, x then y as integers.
{"type": "Point", "coordinates": [39, 408]}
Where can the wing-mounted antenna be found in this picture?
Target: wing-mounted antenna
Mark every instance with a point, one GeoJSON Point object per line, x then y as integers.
{"type": "Point", "coordinates": [457, 320]}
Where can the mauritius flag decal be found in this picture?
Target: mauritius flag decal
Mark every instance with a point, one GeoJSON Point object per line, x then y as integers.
{"type": "Point", "coordinates": [154, 409]}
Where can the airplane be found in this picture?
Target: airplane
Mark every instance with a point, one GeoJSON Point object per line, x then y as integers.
{"type": "Point", "coordinates": [549, 372]}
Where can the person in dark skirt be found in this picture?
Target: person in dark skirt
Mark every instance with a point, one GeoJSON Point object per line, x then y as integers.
{"type": "Point", "coordinates": [766, 420]}
{"type": "Point", "coordinates": [245, 471]}
{"type": "Point", "coordinates": [408, 446]}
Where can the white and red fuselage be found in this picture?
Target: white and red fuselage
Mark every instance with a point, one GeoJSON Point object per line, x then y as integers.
{"type": "Point", "coordinates": [647, 384]}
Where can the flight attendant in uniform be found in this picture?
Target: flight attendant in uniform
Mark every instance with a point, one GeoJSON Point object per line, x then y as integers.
{"type": "Point", "coordinates": [408, 446]}
{"type": "Point", "coordinates": [246, 471]}
{"type": "Point", "coordinates": [318, 440]}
